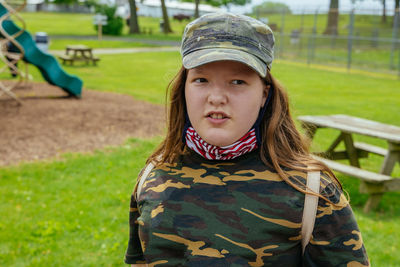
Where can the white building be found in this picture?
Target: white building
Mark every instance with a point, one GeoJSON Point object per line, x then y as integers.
{"type": "Point", "coordinates": [33, 5]}
{"type": "Point", "coordinates": [49, 6]}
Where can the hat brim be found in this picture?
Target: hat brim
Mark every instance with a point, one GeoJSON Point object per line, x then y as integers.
{"type": "Point", "coordinates": [208, 55]}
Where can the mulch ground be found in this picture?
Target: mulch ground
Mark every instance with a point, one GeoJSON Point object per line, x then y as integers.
{"type": "Point", "coordinates": [49, 123]}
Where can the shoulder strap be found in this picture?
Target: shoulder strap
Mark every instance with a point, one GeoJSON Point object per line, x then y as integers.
{"type": "Point", "coordinates": [310, 208]}
{"type": "Point", "coordinates": [142, 178]}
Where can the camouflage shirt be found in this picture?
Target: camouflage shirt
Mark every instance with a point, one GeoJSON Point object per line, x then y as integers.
{"type": "Point", "coordinates": [199, 212]}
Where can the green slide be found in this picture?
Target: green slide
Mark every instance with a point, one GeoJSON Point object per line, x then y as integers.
{"type": "Point", "coordinates": [47, 64]}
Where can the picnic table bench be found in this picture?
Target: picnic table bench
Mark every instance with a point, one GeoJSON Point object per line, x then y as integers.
{"type": "Point", "coordinates": [78, 53]}
{"type": "Point", "coordinates": [373, 183]}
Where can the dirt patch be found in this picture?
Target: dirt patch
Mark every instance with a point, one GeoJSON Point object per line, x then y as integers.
{"type": "Point", "coordinates": [49, 123]}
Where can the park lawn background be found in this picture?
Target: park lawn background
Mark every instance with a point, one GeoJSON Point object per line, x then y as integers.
{"type": "Point", "coordinates": [73, 210]}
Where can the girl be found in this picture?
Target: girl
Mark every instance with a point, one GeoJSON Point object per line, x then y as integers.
{"type": "Point", "coordinates": [229, 181]}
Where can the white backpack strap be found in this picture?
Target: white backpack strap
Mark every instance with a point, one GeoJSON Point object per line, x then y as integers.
{"type": "Point", "coordinates": [310, 208]}
{"type": "Point", "coordinates": [143, 177]}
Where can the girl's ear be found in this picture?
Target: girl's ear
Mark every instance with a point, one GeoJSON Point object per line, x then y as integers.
{"type": "Point", "coordinates": [265, 94]}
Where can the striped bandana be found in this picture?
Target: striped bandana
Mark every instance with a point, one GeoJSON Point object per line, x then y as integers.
{"type": "Point", "coordinates": [244, 145]}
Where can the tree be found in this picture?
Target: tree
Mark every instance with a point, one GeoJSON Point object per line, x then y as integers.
{"type": "Point", "coordinates": [333, 18]}
{"type": "Point", "coordinates": [196, 8]}
{"type": "Point", "coordinates": [114, 24]}
{"type": "Point", "coordinates": [384, 11]}
{"type": "Point", "coordinates": [271, 8]}
{"type": "Point", "coordinates": [166, 25]}
{"type": "Point", "coordinates": [384, 20]}
{"type": "Point", "coordinates": [133, 19]}
{"type": "Point", "coordinates": [396, 10]}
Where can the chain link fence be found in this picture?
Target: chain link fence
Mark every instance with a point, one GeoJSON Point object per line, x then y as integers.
{"type": "Point", "coordinates": [361, 39]}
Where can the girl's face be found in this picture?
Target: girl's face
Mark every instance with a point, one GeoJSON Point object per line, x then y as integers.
{"type": "Point", "coordinates": [223, 100]}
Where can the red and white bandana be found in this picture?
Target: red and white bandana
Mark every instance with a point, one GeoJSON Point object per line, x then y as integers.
{"type": "Point", "coordinates": [244, 145]}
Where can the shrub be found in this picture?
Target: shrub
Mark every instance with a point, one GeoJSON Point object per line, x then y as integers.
{"type": "Point", "coordinates": [114, 24]}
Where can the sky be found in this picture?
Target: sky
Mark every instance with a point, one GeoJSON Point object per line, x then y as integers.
{"type": "Point", "coordinates": [371, 6]}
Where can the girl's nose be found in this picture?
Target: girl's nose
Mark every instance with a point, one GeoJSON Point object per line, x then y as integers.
{"type": "Point", "coordinates": [217, 95]}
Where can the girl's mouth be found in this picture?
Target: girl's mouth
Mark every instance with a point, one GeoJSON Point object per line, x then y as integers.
{"type": "Point", "coordinates": [218, 116]}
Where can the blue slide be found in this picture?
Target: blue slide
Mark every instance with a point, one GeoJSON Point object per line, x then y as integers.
{"type": "Point", "coordinates": [47, 64]}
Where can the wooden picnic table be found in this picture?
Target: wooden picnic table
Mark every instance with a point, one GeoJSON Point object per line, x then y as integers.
{"type": "Point", "coordinates": [78, 53]}
{"type": "Point", "coordinates": [373, 183]}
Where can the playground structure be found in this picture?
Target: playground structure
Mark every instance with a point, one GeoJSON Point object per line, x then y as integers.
{"type": "Point", "coordinates": [25, 49]}
{"type": "Point", "coordinates": [11, 58]}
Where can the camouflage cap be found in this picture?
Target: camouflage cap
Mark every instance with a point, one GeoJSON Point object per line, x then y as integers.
{"type": "Point", "coordinates": [226, 36]}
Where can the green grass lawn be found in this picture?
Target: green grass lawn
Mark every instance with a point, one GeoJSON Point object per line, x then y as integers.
{"type": "Point", "coordinates": [58, 23]}
{"type": "Point", "coordinates": [365, 54]}
{"type": "Point", "coordinates": [73, 211]}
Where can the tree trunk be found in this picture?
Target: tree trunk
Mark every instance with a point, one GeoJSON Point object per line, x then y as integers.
{"type": "Point", "coordinates": [196, 10]}
{"type": "Point", "coordinates": [166, 27]}
{"type": "Point", "coordinates": [384, 11]}
{"type": "Point", "coordinates": [133, 20]}
{"type": "Point", "coordinates": [333, 18]}
{"type": "Point", "coordinates": [396, 12]}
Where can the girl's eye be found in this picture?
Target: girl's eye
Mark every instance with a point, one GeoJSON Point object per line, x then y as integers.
{"type": "Point", "coordinates": [238, 82]}
{"type": "Point", "coordinates": [200, 80]}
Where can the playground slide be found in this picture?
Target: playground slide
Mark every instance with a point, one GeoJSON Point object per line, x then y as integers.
{"type": "Point", "coordinates": [47, 64]}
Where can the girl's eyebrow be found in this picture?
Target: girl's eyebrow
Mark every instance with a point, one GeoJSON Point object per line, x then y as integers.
{"type": "Point", "coordinates": [241, 73]}
{"type": "Point", "coordinates": [238, 72]}
{"type": "Point", "coordinates": [197, 70]}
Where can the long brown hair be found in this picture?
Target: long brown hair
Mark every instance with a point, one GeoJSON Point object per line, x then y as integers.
{"type": "Point", "coordinates": [282, 144]}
